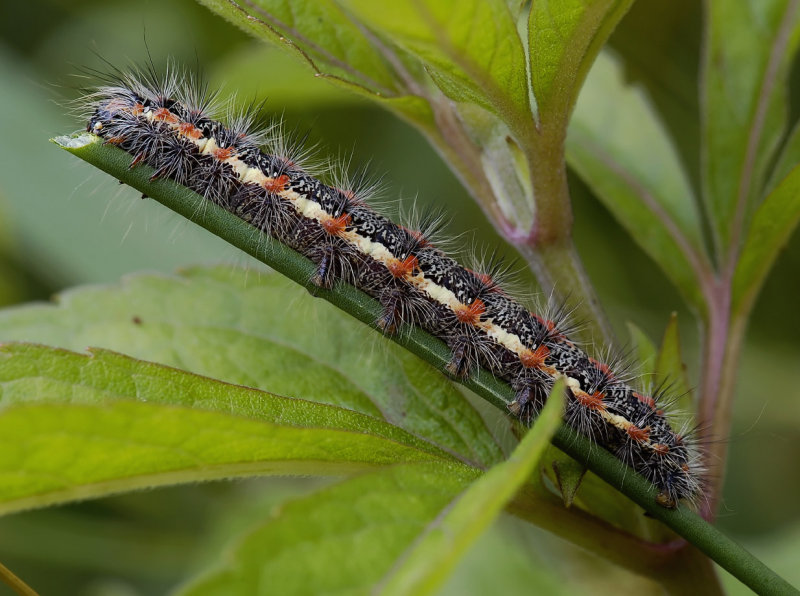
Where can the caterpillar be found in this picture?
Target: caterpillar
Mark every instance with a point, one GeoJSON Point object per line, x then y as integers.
{"type": "Point", "coordinates": [170, 123]}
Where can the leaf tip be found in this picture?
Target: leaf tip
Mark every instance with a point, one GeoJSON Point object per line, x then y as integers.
{"type": "Point", "coordinates": [75, 141]}
{"type": "Point", "coordinates": [569, 475]}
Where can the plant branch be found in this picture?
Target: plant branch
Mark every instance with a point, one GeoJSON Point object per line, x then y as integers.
{"type": "Point", "coordinates": [682, 520]}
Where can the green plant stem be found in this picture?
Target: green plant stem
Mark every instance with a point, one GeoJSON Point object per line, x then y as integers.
{"type": "Point", "coordinates": [722, 346]}
{"type": "Point", "coordinates": [682, 520]}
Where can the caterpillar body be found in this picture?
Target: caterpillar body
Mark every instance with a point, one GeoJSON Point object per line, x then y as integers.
{"type": "Point", "coordinates": [167, 123]}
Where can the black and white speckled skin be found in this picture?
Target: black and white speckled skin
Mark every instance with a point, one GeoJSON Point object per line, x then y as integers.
{"type": "Point", "coordinates": [415, 282]}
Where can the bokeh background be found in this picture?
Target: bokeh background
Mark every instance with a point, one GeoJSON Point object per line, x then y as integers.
{"type": "Point", "coordinates": [63, 224]}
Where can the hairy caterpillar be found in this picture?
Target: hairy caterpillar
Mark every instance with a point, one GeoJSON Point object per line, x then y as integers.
{"type": "Point", "coordinates": [169, 123]}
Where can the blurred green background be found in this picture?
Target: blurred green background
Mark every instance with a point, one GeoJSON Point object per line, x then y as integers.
{"type": "Point", "coordinates": [63, 224]}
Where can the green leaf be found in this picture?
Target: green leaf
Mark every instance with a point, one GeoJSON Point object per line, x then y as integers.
{"type": "Point", "coordinates": [514, 560]}
{"type": "Point", "coordinates": [342, 539]}
{"type": "Point", "coordinates": [320, 32]}
{"type": "Point", "coordinates": [670, 369]}
{"type": "Point", "coordinates": [436, 552]}
{"type": "Point", "coordinates": [787, 160]}
{"type": "Point", "coordinates": [564, 38]}
{"type": "Point", "coordinates": [75, 426]}
{"type": "Point", "coordinates": [414, 109]}
{"type": "Point", "coordinates": [644, 350]}
{"type": "Point", "coordinates": [470, 47]}
{"type": "Point", "coordinates": [333, 45]}
{"type": "Point", "coordinates": [349, 538]}
{"type": "Point", "coordinates": [749, 49]}
{"type": "Point", "coordinates": [288, 84]}
{"type": "Point", "coordinates": [255, 329]}
{"type": "Point", "coordinates": [618, 146]}
{"type": "Point", "coordinates": [659, 45]}
{"type": "Point", "coordinates": [773, 224]}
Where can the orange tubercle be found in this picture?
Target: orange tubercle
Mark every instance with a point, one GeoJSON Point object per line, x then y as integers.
{"type": "Point", "coordinates": [164, 115]}
{"type": "Point", "coordinates": [276, 185]}
{"type": "Point", "coordinates": [638, 434]}
{"type": "Point", "coordinates": [593, 401]}
{"type": "Point", "coordinates": [137, 109]}
{"type": "Point", "coordinates": [336, 225]}
{"type": "Point", "coordinates": [223, 153]}
{"type": "Point", "coordinates": [534, 358]}
{"type": "Point", "coordinates": [402, 268]}
{"type": "Point", "coordinates": [471, 313]}
{"type": "Point", "coordinates": [189, 130]}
